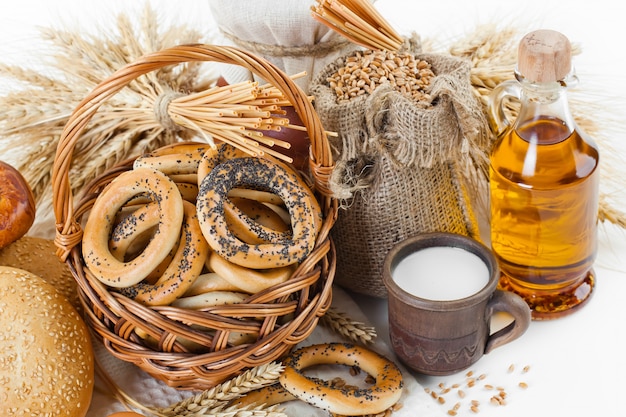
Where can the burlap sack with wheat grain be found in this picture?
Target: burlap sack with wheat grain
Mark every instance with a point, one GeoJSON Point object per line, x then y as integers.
{"type": "Point", "coordinates": [401, 169]}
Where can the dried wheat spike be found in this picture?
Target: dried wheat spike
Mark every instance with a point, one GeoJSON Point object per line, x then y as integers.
{"type": "Point", "coordinates": [345, 326]}
{"type": "Point", "coordinates": [213, 401]}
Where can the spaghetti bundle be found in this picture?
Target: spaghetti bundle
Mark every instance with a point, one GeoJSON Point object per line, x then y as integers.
{"type": "Point", "coordinates": [358, 21]}
{"type": "Point", "coordinates": [236, 114]}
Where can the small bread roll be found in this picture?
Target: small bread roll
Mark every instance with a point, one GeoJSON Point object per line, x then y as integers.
{"type": "Point", "coordinates": [17, 205]}
{"type": "Point", "coordinates": [46, 359]}
{"type": "Point", "coordinates": [37, 255]}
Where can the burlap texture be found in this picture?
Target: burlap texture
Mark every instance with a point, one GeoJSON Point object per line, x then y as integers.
{"type": "Point", "coordinates": [401, 168]}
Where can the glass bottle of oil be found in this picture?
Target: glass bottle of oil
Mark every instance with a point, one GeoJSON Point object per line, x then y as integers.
{"type": "Point", "coordinates": [544, 180]}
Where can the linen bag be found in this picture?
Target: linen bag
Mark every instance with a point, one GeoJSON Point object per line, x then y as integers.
{"type": "Point", "coordinates": [282, 32]}
{"type": "Point", "coordinates": [401, 168]}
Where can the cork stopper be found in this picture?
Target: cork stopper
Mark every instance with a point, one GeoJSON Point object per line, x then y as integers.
{"type": "Point", "coordinates": [544, 56]}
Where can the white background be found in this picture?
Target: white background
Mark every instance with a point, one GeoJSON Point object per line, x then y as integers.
{"type": "Point", "coordinates": [578, 363]}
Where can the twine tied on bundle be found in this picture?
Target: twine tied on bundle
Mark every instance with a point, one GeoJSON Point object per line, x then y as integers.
{"type": "Point", "coordinates": [317, 50]}
{"type": "Point", "coordinates": [161, 113]}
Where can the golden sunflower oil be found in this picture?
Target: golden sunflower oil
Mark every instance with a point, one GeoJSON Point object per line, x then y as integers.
{"type": "Point", "coordinates": [544, 182]}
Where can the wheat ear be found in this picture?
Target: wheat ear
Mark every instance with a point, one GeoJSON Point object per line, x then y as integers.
{"type": "Point", "coordinates": [214, 401]}
{"type": "Point", "coordinates": [345, 326]}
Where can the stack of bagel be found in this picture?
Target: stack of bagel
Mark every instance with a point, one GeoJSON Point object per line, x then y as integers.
{"type": "Point", "coordinates": [195, 226]}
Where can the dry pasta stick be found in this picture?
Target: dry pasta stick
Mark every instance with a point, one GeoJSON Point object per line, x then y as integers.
{"type": "Point", "coordinates": [358, 21]}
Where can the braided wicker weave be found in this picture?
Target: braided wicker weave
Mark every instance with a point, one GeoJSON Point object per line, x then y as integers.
{"type": "Point", "coordinates": [150, 337]}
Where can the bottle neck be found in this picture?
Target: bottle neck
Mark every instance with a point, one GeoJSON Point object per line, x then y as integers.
{"type": "Point", "coordinates": [542, 101]}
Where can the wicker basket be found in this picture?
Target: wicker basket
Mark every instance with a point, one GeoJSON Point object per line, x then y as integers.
{"type": "Point", "coordinates": [150, 337]}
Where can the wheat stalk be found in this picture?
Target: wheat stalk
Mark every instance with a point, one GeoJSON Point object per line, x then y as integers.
{"type": "Point", "coordinates": [38, 109]}
{"type": "Point", "coordinates": [221, 410]}
{"type": "Point", "coordinates": [345, 326]}
{"type": "Point", "coordinates": [213, 402]}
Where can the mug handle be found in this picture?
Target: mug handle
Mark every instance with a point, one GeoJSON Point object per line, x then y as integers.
{"type": "Point", "coordinates": [507, 302]}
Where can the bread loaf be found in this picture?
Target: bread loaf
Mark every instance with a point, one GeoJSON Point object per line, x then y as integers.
{"type": "Point", "coordinates": [37, 255]}
{"type": "Point", "coordinates": [47, 360]}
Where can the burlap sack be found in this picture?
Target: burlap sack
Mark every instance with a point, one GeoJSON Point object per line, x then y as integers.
{"type": "Point", "coordinates": [401, 169]}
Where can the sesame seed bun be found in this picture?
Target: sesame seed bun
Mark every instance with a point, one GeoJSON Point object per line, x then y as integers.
{"type": "Point", "coordinates": [38, 256]}
{"type": "Point", "coordinates": [46, 360]}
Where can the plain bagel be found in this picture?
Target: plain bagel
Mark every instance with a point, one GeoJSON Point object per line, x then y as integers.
{"type": "Point", "coordinates": [47, 360]}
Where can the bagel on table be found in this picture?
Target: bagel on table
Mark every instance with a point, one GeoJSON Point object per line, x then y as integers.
{"type": "Point", "coordinates": [382, 391]}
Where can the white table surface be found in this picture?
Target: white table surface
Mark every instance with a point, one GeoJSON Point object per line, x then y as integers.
{"type": "Point", "coordinates": [577, 363]}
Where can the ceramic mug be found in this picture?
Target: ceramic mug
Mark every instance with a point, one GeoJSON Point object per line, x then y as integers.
{"type": "Point", "coordinates": [441, 297]}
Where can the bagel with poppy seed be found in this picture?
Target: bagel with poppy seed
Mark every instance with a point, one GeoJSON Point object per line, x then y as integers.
{"type": "Point", "coordinates": [263, 174]}
{"type": "Point", "coordinates": [346, 400]}
{"type": "Point", "coordinates": [97, 232]}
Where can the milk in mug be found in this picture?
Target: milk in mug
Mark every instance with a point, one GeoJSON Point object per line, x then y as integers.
{"type": "Point", "coordinates": [441, 273]}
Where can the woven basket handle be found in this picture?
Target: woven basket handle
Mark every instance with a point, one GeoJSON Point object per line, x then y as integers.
{"type": "Point", "coordinates": [69, 231]}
